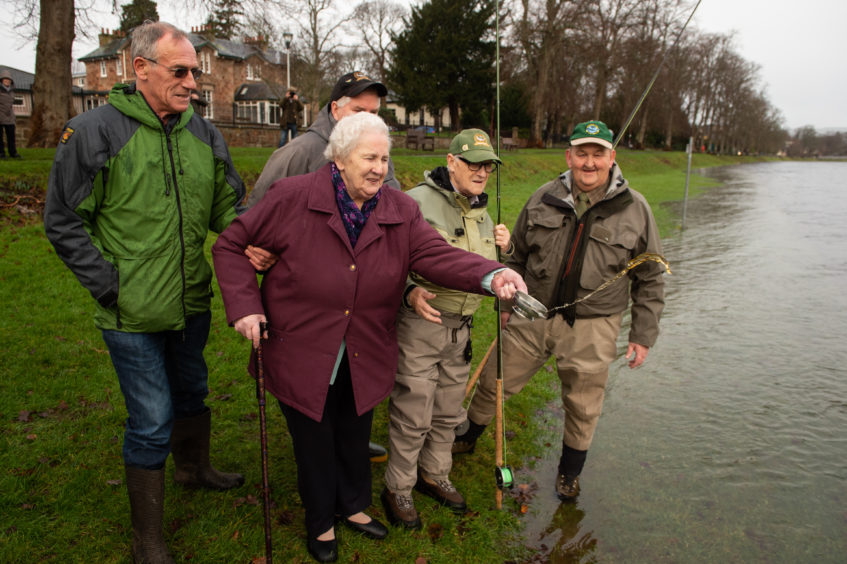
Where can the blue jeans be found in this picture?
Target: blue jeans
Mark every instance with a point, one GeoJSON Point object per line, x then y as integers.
{"type": "Point", "coordinates": [283, 139]}
{"type": "Point", "coordinates": [163, 376]}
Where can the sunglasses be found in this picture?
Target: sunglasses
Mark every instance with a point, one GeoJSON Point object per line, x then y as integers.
{"type": "Point", "coordinates": [179, 72]}
{"type": "Point", "coordinates": [490, 166]}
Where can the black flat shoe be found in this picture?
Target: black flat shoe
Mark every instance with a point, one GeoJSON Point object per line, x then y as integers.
{"type": "Point", "coordinates": [373, 528]}
{"type": "Point", "coordinates": [323, 551]}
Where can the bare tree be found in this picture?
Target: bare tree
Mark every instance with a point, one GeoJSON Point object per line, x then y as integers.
{"type": "Point", "coordinates": [543, 30]}
{"type": "Point", "coordinates": [320, 23]}
{"type": "Point", "coordinates": [52, 22]}
{"type": "Point", "coordinates": [377, 20]}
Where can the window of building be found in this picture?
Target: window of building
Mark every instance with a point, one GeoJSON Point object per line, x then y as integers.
{"type": "Point", "coordinates": [119, 68]}
{"type": "Point", "coordinates": [94, 101]}
{"type": "Point", "coordinates": [19, 100]}
{"type": "Point", "coordinates": [273, 113]}
{"type": "Point", "coordinates": [247, 111]}
{"type": "Point", "coordinates": [253, 72]}
{"type": "Point", "coordinates": [206, 62]}
{"type": "Point", "coordinates": [260, 112]}
{"type": "Point", "coordinates": [102, 68]}
{"type": "Point", "coordinates": [208, 111]}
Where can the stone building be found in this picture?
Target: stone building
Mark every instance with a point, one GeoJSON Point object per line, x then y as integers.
{"type": "Point", "coordinates": [242, 82]}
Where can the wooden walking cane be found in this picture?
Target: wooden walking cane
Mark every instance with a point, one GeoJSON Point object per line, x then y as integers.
{"type": "Point", "coordinates": [266, 490]}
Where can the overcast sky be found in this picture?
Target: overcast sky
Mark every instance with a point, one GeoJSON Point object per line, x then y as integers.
{"type": "Point", "coordinates": [800, 46]}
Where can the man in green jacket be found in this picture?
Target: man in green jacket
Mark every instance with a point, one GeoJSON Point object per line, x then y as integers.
{"type": "Point", "coordinates": [434, 332]}
{"type": "Point", "coordinates": [135, 187]}
{"type": "Point", "coordinates": [573, 234]}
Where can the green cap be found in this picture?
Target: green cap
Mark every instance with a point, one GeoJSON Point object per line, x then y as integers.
{"type": "Point", "coordinates": [591, 132]}
{"type": "Point", "coordinates": [474, 146]}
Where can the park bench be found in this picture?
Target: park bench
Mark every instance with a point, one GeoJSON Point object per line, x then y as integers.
{"type": "Point", "coordinates": [418, 138]}
{"type": "Point", "coordinates": [508, 143]}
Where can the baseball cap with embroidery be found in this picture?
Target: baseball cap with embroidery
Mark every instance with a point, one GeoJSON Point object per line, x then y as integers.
{"type": "Point", "coordinates": [591, 132]}
{"type": "Point", "coordinates": [474, 146]}
{"type": "Point", "coordinates": [354, 83]}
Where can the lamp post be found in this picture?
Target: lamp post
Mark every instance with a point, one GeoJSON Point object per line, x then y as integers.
{"type": "Point", "coordinates": [287, 37]}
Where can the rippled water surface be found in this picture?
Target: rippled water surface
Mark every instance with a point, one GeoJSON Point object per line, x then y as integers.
{"type": "Point", "coordinates": [730, 444]}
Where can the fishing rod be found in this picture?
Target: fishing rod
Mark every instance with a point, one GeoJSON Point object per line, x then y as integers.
{"type": "Point", "coordinates": [653, 80]}
{"type": "Point", "coordinates": [502, 473]}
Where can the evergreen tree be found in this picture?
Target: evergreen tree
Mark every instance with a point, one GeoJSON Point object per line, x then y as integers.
{"type": "Point", "coordinates": [445, 57]}
{"type": "Point", "coordinates": [225, 18]}
{"type": "Point", "coordinates": [136, 13]}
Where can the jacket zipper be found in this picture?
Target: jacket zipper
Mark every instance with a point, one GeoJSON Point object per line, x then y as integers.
{"type": "Point", "coordinates": [179, 211]}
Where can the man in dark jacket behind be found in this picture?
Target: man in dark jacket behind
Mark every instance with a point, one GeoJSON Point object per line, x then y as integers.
{"type": "Point", "coordinates": [135, 187]}
{"type": "Point", "coordinates": [354, 92]}
{"type": "Point", "coordinates": [573, 234]}
{"type": "Point", "coordinates": [7, 114]}
{"type": "Point", "coordinates": [289, 112]}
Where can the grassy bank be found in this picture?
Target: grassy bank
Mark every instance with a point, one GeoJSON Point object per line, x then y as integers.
{"type": "Point", "coordinates": [61, 412]}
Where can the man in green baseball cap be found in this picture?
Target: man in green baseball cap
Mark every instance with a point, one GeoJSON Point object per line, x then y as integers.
{"type": "Point", "coordinates": [433, 333]}
{"type": "Point", "coordinates": [574, 233]}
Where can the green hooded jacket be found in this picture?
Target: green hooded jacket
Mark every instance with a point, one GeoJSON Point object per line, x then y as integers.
{"type": "Point", "coordinates": [129, 204]}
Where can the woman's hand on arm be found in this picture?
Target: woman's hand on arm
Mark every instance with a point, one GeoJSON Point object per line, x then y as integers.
{"type": "Point", "coordinates": [248, 327]}
{"type": "Point", "coordinates": [261, 259]}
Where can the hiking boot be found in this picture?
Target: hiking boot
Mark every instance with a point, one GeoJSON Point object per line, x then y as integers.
{"type": "Point", "coordinates": [567, 487]}
{"type": "Point", "coordinates": [190, 448]}
{"type": "Point", "coordinates": [400, 509]}
{"type": "Point", "coordinates": [442, 491]}
{"type": "Point", "coordinates": [377, 452]}
{"type": "Point", "coordinates": [466, 435]}
{"type": "Point", "coordinates": [146, 489]}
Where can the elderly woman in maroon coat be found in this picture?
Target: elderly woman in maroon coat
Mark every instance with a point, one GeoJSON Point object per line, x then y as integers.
{"type": "Point", "coordinates": [345, 243]}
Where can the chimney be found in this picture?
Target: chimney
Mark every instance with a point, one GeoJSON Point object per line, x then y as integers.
{"type": "Point", "coordinates": [105, 36]}
{"type": "Point", "coordinates": [259, 42]}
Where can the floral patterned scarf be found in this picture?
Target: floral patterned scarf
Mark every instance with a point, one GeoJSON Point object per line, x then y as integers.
{"type": "Point", "coordinates": [354, 219]}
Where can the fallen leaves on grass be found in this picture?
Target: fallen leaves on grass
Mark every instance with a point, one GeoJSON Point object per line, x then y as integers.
{"type": "Point", "coordinates": [249, 500]}
{"type": "Point", "coordinates": [435, 531]}
{"type": "Point", "coordinates": [285, 518]}
{"type": "Point", "coordinates": [116, 482]}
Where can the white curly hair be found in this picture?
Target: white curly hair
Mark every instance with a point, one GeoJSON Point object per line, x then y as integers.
{"type": "Point", "coordinates": [349, 131]}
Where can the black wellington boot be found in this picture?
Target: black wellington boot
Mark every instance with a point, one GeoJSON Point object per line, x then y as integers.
{"type": "Point", "coordinates": [146, 490]}
{"type": "Point", "coordinates": [190, 447]}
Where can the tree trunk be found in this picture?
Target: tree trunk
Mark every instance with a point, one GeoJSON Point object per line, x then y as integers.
{"type": "Point", "coordinates": [52, 93]}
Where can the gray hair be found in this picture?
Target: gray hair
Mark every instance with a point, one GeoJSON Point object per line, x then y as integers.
{"type": "Point", "coordinates": [147, 35]}
{"type": "Point", "coordinates": [349, 131]}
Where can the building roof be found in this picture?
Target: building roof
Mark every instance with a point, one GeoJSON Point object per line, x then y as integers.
{"type": "Point", "coordinates": [255, 91]}
{"type": "Point", "coordinates": [106, 51]}
{"type": "Point", "coordinates": [224, 48]}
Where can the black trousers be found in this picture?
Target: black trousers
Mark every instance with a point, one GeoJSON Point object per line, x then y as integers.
{"type": "Point", "coordinates": [333, 464]}
{"type": "Point", "coordinates": [9, 131]}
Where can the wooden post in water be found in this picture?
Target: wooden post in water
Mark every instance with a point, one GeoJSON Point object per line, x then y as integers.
{"type": "Point", "coordinates": [687, 178]}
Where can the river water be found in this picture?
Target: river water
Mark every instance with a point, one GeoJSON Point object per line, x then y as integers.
{"type": "Point", "coordinates": [730, 444]}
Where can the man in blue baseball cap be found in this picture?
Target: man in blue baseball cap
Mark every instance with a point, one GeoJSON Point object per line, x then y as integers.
{"type": "Point", "coordinates": [574, 233]}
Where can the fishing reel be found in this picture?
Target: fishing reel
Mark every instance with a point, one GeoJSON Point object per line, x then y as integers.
{"type": "Point", "coordinates": [505, 480]}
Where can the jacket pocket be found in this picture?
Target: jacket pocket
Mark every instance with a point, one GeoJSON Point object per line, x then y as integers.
{"type": "Point", "coordinates": [607, 254]}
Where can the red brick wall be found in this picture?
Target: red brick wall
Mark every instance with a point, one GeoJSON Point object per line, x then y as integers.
{"type": "Point", "coordinates": [249, 136]}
